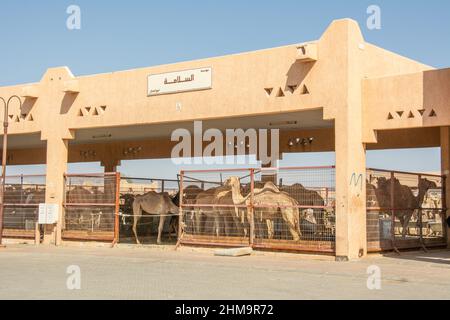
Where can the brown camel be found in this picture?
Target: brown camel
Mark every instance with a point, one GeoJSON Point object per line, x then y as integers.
{"type": "Point", "coordinates": [156, 204]}
{"type": "Point", "coordinates": [312, 220]}
{"type": "Point", "coordinates": [404, 200]}
{"type": "Point", "coordinates": [189, 194]}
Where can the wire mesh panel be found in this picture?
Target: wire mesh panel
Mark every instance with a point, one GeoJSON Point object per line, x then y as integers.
{"type": "Point", "coordinates": [23, 194]}
{"type": "Point", "coordinates": [404, 210]}
{"type": "Point", "coordinates": [287, 209]}
{"type": "Point", "coordinates": [301, 215]}
{"type": "Point", "coordinates": [134, 190]}
{"type": "Point", "coordinates": [210, 213]}
{"type": "Point", "coordinates": [91, 205]}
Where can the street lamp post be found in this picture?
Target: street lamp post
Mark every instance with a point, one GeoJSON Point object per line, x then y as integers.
{"type": "Point", "coordinates": [4, 159]}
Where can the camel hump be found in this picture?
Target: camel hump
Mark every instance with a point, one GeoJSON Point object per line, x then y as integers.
{"type": "Point", "coordinates": [222, 194]}
{"type": "Point", "coordinates": [268, 187]}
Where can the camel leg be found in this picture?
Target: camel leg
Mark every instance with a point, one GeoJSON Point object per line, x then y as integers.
{"type": "Point", "coordinates": [217, 225]}
{"type": "Point", "coordinates": [198, 222]}
{"type": "Point", "coordinates": [173, 227]}
{"type": "Point", "coordinates": [231, 225]}
{"type": "Point", "coordinates": [270, 228]}
{"type": "Point", "coordinates": [238, 228]}
{"type": "Point", "coordinates": [405, 224]}
{"type": "Point", "coordinates": [137, 211]}
{"type": "Point", "coordinates": [239, 222]}
{"type": "Point", "coordinates": [244, 225]}
{"type": "Point", "coordinates": [162, 220]}
{"type": "Point", "coordinates": [290, 219]}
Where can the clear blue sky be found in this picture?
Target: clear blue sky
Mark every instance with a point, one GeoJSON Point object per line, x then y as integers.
{"type": "Point", "coordinates": [119, 35]}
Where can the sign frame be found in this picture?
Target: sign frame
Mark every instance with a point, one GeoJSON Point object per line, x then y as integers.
{"type": "Point", "coordinates": [209, 87]}
{"type": "Point", "coordinates": [48, 213]}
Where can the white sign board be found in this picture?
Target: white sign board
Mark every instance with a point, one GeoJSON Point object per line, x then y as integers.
{"type": "Point", "coordinates": [48, 213]}
{"type": "Point", "coordinates": [182, 81]}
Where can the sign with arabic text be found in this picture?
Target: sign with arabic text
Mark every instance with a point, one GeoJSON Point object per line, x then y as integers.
{"type": "Point", "coordinates": [181, 81]}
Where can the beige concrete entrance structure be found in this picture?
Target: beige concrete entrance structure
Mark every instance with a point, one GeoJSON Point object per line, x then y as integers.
{"type": "Point", "coordinates": [346, 93]}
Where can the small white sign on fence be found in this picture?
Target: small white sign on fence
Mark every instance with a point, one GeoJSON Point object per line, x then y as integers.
{"type": "Point", "coordinates": [48, 213]}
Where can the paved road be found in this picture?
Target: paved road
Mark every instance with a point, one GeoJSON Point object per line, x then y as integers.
{"type": "Point", "coordinates": [28, 272]}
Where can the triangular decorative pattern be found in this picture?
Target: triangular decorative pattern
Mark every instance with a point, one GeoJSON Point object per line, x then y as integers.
{"type": "Point", "coordinates": [280, 93]}
{"type": "Point", "coordinates": [268, 91]}
{"type": "Point", "coordinates": [305, 90]}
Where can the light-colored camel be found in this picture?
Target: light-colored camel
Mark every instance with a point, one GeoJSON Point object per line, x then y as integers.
{"type": "Point", "coordinates": [270, 204]}
{"type": "Point", "coordinates": [206, 200]}
{"type": "Point", "coordinates": [233, 217]}
{"type": "Point", "coordinates": [405, 202]}
{"type": "Point", "coordinates": [155, 204]}
{"type": "Point", "coordinates": [223, 209]}
{"type": "Point", "coordinates": [238, 215]}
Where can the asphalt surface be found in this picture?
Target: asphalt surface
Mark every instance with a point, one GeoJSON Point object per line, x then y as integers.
{"type": "Point", "coordinates": [29, 272]}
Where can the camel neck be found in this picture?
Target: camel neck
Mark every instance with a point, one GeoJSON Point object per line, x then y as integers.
{"type": "Point", "coordinates": [236, 194]}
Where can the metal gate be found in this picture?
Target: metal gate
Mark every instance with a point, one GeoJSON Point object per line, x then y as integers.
{"type": "Point", "coordinates": [91, 207]}
{"type": "Point", "coordinates": [23, 194]}
{"type": "Point", "coordinates": [147, 223]}
{"type": "Point", "coordinates": [281, 209]}
{"type": "Point", "coordinates": [405, 210]}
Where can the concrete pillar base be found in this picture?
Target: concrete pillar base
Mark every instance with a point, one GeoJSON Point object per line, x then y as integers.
{"type": "Point", "coordinates": [57, 156]}
{"type": "Point", "coordinates": [351, 213]}
{"type": "Point", "coordinates": [342, 259]}
{"type": "Point", "coordinates": [445, 162]}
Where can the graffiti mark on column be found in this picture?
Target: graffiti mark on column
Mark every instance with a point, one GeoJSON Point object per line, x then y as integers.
{"type": "Point", "coordinates": [357, 180]}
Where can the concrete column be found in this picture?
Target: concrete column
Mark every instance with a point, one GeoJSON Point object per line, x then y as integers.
{"type": "Point", "coordinates": [445, 162]}
{"type": "Point", "coordinates": [351, 234]}
{"type": "Point", "coordinates": [57, 157]}
{"type": "Point", "coordinates": [109, 182]}
{"type": "Point", "coordinates": [110, 165]}
{"type": "Point", "coordinates": [269, 176]}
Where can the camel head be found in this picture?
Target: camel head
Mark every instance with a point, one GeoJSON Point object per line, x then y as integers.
{"type": "Point", "coordinates": [425, 185]}
{"type": "Point", "coordinates": [233, 182]}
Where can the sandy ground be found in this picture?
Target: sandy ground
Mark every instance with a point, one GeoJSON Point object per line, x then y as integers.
{"type": "Point", "coordinates": [129, 272]}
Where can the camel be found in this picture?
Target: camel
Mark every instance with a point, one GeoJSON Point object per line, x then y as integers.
{"type": "Point", "coordinates": [79, 217]}
{"type": "Point", "coordinates": [219, 197]}
{"type": "Point", "coordinates": [312, 221]}
{"type": "Point", "coordinates": [234, 217]}
{"type": "Point", "coordinates": [156, 204]}
{"type": "Point", "coordinates": [35, 196]}
{"type": "Point", "coordinates": [208, 197]}
{"type": "Point", "coordinates": [404, 198]}
{"type": "Point", "coordinates": [189, 194]}
{"type": "Point", "coordinates": [270, 204]}
{"type": "Point", "coordinates": [238, 218]}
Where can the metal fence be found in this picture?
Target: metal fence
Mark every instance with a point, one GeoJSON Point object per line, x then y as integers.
{"type": "Point", "coordinates": [135, 210]}
{"type": "Point", "coordinates": [23, 194]}
{"type": "Point", "coordinates": [280, 209]}
{"type": "Point", "coordinates": [147, 223]}
{"type": "Point", "coordinates": [91, 207]}
{"type": "Point", "coordinates": [405, 210]}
